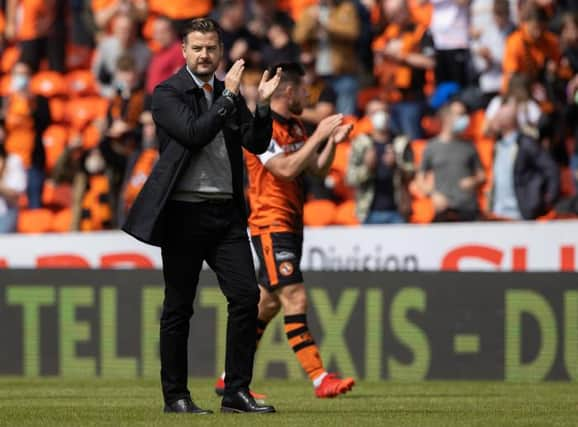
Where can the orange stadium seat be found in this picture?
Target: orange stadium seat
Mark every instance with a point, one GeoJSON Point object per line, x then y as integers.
{"type": "Point", "coordinates": [57, 109]}
{"type": "Point", "coordinates": [90, 137]}
{"type": "Point", "coordinates": [485, 149]}
{"type": "Point", "coordinates": [421, 207]}
{"type": "Point", "coordinates": [81, 111]}
{"type": "Point", "coordinates": [345, 214]}
{"type": "Point", "coordinates": [4, 85]}
{"type": "Point", "coordinates": [431, 125]}
{"type": "Point", "coordinates": [55, 138]}
{"type": "Point", "coordinates": [338, 171]}
{"type": "Point", "coordinates": [48, 84]}
{"type": "Point", "coordinates": [361, 126]}
{"type": "Point", "coordinates": [366, 95]}
{"type": "Point", "coordinates": [475, 129]}
{"type": "Point", "coordinates": [81, 83]}
{"type": "Point", "coordinates": [56, 196]}
{"type": "Point", "coordinates": [422, 211]}
{"type": "Point", "coordinates": [35, 221]}
{"type": "Point", "coordinates": [417, 148]}
{"type": "Point", "coordinates": [62, 221]}
{"type": "Point", "coordinates": [319, 213]}
{"type": "Point", "coordinates": [10, 56]}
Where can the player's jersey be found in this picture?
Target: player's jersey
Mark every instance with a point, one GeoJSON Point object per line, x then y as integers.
{"type": "Point", "coordinates": [276, 205]}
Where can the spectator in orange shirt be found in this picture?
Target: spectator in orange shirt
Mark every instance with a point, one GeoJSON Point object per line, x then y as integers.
{"type": "Point", "coordinates": [181, 11]}
{"type": "Point", "coordinates": [532, 50]}
{"type": "Point", "coordinates": [27, 117]}
{"type": "Point", "coordinates": [34, 24]}
{"type": "Point", "coordinates": [169, 58]}
{"type": "Point", "coordinates": [403, 53]}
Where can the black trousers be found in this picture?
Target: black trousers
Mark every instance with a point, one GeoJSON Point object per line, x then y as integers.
{"type": "Point", "coordinates": [211, 232]}
{"type": "Point", "coordinates": [452, 66]}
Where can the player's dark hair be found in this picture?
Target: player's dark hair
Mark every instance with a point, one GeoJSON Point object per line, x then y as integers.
{"type": "Point", "coordinates": [291, 72]}
{"type": "Point", "coordinates": [202, 25]}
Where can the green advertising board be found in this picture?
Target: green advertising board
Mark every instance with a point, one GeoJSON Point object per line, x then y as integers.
{"type": "Point", "coordinates": [373, 326]}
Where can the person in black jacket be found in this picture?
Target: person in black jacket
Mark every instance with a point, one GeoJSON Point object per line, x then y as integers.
{"type": "Point", "coordinates": [193, 207]}
{"type": "Point", "coordinates": [526, 179]}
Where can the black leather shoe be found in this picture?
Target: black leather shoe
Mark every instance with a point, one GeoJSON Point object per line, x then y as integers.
{"type": "Point", "coordinates": [185, 406]}
{"type": "Point", "coordinates": [243, 402]}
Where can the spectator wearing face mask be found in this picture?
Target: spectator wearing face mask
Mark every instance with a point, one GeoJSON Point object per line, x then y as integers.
{"type": "Point", "coordinates": [26, 118]}
{"type": "Point", "coordinates": [12, 185]}
{"type": "Point", "coordinates": [454, 166]}
{"type": "Point", "coordinates": [91, 207]}
{"type": "Point", "coordinates": [526, 179]}
{"type": "Point", "coordinates": [380, 169]}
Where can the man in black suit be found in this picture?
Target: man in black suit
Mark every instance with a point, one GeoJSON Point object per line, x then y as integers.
{"type": "Point", "coordinates": [192, 206]}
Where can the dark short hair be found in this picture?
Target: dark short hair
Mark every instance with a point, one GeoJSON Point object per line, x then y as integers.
{"type": "Point", "coordinates": [126, 62]}
{"type": "Point", "coordinates": [168, 21]}
{"type": "Point", "coordinates": [291, 72]}
{"type": "Point", "coordinates": [202, 25]}
{"type": "Point", "coordinates": [502, 8]}
{"type": "Point", "coordinates": [531, 12]}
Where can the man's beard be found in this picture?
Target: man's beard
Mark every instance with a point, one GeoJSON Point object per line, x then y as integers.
{"type": "Point", "coordinates": [296, 108]}
{"type": "Point", "coordinates": [196, 69]}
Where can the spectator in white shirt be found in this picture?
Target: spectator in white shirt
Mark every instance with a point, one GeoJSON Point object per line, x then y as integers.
{"type": "Point", "coordinates": [12, 185]}
{"type": "Point", "coordinates": [488, 49]}
{"type": "Point", "coordinates": [450, 31]}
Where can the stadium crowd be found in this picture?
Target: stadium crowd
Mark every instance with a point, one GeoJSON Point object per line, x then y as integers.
{"type": "Point", "coordinates": [463, 110]}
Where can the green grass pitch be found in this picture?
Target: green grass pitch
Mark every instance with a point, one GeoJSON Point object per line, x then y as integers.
{"type": "Point", "coordinates": [57, 402]}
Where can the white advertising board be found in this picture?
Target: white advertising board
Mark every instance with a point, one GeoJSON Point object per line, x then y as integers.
{"type": "Point", "coordinates": [524, 246]}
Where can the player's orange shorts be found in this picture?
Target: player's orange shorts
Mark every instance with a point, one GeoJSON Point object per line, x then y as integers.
{"type": "Point", "coordinates": [279, 259]}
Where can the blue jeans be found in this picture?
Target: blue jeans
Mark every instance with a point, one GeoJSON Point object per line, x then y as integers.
{"type": "Point", "coordinates": [9, 221]}
{"type": "Point", "coordinates": [384, 217]}
{"type": "Point", "coordinates": [406, 118]}
{"type": "Point", "coordinates": [34, 188]}
{"type": "Point", "coordinates": [345, 88]}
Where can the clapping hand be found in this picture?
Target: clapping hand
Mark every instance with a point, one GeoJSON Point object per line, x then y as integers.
{"type": "Point", "coordinates": [341, 133]}
{"type": "Point", "coordinates": [233, 77]}
{"type": "Point", "coordinates": [267, 86]}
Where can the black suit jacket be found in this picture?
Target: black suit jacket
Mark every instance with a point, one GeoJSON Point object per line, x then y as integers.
{"type": "Point", "coordinates": [536, 178]}
{"type": "Point", "coordinates": [183, 128]}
